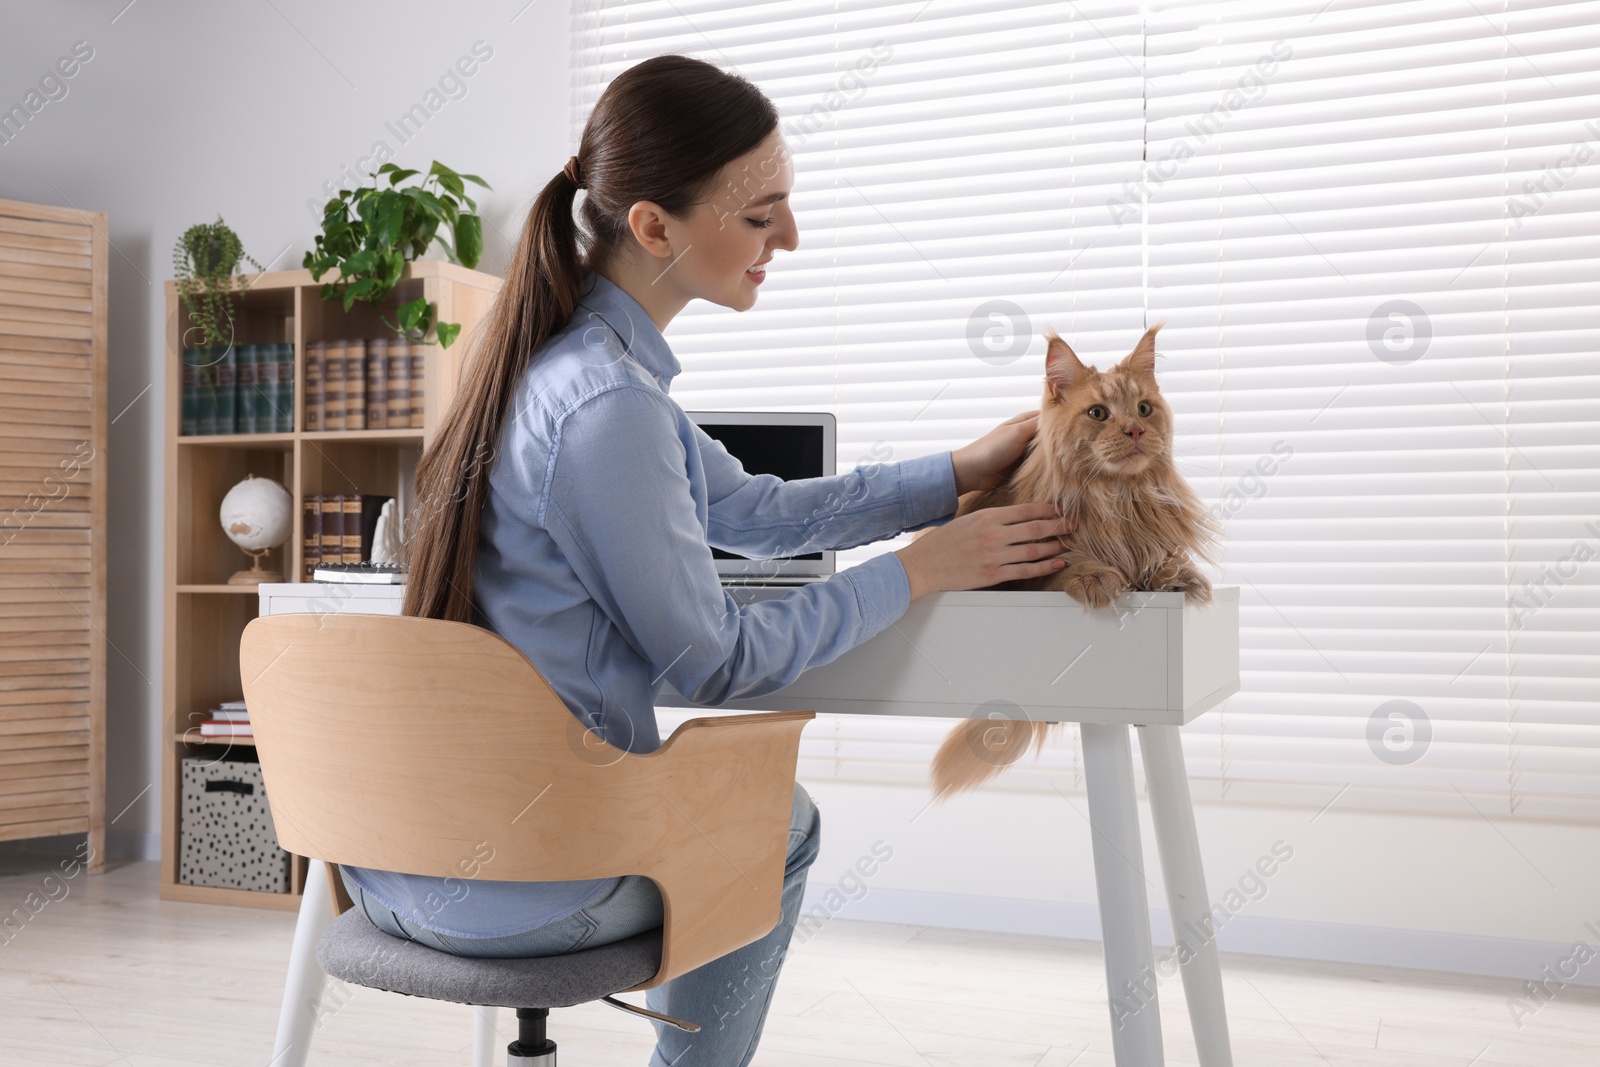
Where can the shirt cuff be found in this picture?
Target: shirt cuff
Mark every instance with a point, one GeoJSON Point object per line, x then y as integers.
{"type": "Point", "coordinates": [883, 591]}
{"type": "Point", "coordinates": [927, 490]}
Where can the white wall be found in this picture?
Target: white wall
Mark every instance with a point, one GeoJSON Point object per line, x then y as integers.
{"type": "Point", "coordinates": [1405, 890]}
{"type": "Point", "coordinates": [187, 110]}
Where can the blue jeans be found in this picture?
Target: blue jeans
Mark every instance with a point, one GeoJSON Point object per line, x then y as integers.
{"type": "Point", "coordinates": [728, 997]}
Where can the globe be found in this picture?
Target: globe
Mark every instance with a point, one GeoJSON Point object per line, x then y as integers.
{"type": "Point", "coordinates": [257, 515]}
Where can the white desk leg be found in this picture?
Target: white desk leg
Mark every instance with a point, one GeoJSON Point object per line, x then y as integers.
{"type": "Point", "coordinates": [1168, 783]}
{"type": "Point", "coordinates": [485, 1038]}
{"type": "Point", "coordinates": [1119, 885]}
{"type": "Point", "coordinates": [302, 990]}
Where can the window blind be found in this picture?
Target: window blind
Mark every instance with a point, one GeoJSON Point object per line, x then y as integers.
{"type": "Point", "coordinates": [1384, 335]}
{"type": "Point", "coordinates": [1363, 224]}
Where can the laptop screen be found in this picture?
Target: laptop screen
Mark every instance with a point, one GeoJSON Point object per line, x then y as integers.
{"type": "Point", "coordinates": [790, 445]}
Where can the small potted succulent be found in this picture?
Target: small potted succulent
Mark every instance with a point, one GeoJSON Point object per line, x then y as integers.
{"type": "Point", "coordinates": [368, 235]}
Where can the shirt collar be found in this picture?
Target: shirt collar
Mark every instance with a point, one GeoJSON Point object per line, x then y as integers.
{"type": "Point", "coordinates": [641, 340]}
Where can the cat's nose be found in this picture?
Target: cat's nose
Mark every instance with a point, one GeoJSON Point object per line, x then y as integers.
{"type": "Point", "coordinates": [1133, 432]}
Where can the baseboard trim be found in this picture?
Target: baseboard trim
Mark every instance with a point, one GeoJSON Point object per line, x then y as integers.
{"type": "Point", "coordinates": [1473, 954]}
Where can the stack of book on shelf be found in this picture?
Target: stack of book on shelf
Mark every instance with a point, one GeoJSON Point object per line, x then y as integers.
{"type": "Point", "coordinates": [338, 528]}
{"type": "Point", "coordinates": [362, 384]}
{"type": "Point", "coordinates": [238, 389]}
{"type": "Point", "coordinates": [230, 720]}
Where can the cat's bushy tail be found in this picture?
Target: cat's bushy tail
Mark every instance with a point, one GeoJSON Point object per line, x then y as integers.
{"type": "Point", "coordinates": [978, 749]}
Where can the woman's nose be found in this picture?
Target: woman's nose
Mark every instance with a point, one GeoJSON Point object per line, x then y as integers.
{"type": "Point", "coordinates": [788, 235]}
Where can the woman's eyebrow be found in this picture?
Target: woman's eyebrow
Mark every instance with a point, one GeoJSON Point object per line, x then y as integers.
{"type": "Point", "coordinates": [770, 198]}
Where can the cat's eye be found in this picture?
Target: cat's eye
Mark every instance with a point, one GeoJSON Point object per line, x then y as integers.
{"type": "Point", "coordinates": [1145, 409]}
{"type": "Point", "coordinates": [1098, 413]}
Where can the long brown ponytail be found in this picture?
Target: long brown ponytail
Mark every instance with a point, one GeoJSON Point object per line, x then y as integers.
{"type": "Point", "coordinates": [661, 131]}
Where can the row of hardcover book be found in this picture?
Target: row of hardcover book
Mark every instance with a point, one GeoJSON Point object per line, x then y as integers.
{"type": "Point", "coordinates": [364, 384]}
{"type": "Point", "coordinates": [338, 528]}
{"type": "Point", "coordinates": [238, 389]}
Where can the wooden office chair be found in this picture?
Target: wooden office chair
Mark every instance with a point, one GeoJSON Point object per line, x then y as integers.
{"type": "Point", "coordinates": [409, 744]}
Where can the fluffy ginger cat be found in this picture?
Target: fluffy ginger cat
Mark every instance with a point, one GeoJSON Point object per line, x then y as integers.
{"type": "Point", "coordinates": [1103, 454]}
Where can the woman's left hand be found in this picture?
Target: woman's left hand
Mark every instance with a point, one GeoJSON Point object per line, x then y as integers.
{"type": "Point", "coordinates": [992, 459]}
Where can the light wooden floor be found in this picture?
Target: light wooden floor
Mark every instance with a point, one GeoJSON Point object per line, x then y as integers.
{"type": "Point", "coordinates": [109, 974]}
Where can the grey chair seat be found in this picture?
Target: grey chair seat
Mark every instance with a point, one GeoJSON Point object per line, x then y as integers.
{"type": "Point", "coordinates": [355, 951]}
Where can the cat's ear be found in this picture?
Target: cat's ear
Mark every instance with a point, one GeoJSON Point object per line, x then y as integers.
{"type": "Point", "coordinates": [1062, 367]}
{"type": "Point", "coordinates": [1142, 360]}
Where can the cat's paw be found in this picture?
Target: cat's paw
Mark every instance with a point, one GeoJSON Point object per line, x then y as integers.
{"type": "Point", "coordinates": [1198, 591]}
{"type": "Point", "coordinates": [1193, 585]}
{"type": "Point", "coordinates": [1178, 575]}
{"type": "Point", "coordinates": [1097, 589]}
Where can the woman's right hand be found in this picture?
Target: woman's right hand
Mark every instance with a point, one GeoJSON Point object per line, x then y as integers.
{"type": "Point", "coordinates": [984, 548]}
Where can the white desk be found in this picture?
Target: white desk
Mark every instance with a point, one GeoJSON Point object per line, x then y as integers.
{"type": "Point", "coordinates": [1150, 661]}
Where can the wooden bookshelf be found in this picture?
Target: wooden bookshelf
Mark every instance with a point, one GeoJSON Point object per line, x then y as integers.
{"type": "Point", "coordinates": [203, 615]}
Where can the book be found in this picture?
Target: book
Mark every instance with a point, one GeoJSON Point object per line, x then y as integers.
{"type": "Point", "coordinates": [310, 536]}
{"type": "Point", "coordinates": [398, 383]}
{"type": "Point", "coordinates": [206, 403]}
{"type": "Point", "coordinates": [355, 384]}
{"type": "Point", "coordinates": [268, 389]}
{"type": "Point", "coordinates": [333, 386]}
{"type": "Point", "coordinates": [263, 390]}
{"type": "Point", "coordinates": [213, 728]}
{"type": "Point", "coordinates": [332, 507]}
{"type": "Point", "coordinates": [189, 424]}
{"type": "Point", "coordinates": [283, 382]}
{"type": "Point", "coordinates": [232, 705]}
{"type": "Point", "coordinates": [229, 715]}
{"type": "Point", "coordinates": [415, 369]}
{"type": "Point", "coordinates": [245, 385]}
{"type": "Point", "coordinates": [350, 540]}
{"type": "Point", "coordinates": [226, 371]}
{"type": "Point", "coordinates": [316, 374]}
{"type": "Point", "coordinates": [377, 377]}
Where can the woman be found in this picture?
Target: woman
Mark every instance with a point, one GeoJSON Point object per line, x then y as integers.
{"type": "Point", "coordinates": [569, 505]}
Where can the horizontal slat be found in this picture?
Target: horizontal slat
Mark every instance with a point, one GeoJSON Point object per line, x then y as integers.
{"type": "Point", "coordinates": [77, 244]}
{"type": "Point", "coordinates": [18, 354]}
{"type": "Point", "coordinates": [22, 752]}
{"type": "Point", "coordinates": [36, 809]}
{"type": "Point", "coordinates": [56, 700]}
{"type": "Point", "coordinates": [72, 275]}
{"type": "Point", "coordinates": [47, 228]}
{"type": "Point", "coordinates": [69, 331]}
{"type": "Point", "coordinates": [65, 728]}
{"type": "Point", "coordinates": [48, 824]}
{"type": "Point", "coordinates": [16, 800]}
{"type": "Point", "coordinates": [42, 766]}
{"type": "Point", "coordinates": [29, 256]}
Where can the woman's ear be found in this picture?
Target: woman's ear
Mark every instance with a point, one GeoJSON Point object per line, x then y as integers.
{"type": "Point", "coordinates": [653, 228]}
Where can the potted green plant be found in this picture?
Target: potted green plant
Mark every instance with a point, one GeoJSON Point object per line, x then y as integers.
{"type": "Point", "coordinates": [368, 235]}
{"type": "Point", "coordinates": [203, 263]}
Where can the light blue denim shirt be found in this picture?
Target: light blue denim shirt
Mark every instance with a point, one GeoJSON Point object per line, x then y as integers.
{"type": "Point", "coordinates": [605, 501]}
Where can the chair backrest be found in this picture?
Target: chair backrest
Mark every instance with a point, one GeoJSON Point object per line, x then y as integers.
{"type": "Point", "coordinates": [432, 747]}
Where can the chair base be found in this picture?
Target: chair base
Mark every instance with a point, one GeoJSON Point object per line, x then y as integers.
{"type": "Point", "coordinates": [531, 1048]}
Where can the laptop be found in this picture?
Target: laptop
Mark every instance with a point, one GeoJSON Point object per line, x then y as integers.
{"type": "Point", "coordinates": [790, 445]}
